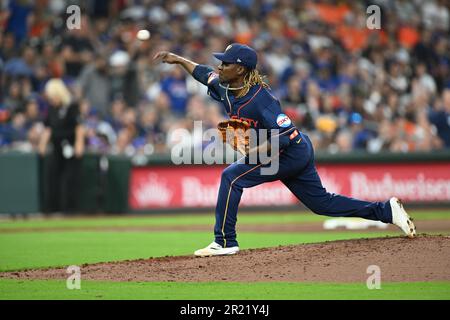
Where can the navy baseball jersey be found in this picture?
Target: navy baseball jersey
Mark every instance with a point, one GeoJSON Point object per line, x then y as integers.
{"type": "Point", "coordinates": [258, 107]}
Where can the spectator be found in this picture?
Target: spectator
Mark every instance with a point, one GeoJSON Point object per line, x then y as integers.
{"type": "Point", "coordinates": [77, 49]}
{"type": "Point", "coordinates": [344, 142]}
{"type": "Point", "coordinates": [8, 50]}
{"type": "Point", "coordinates": [31, 111]}
{"type": "Point", "coordinates": [440, 117]}
{"type": "Point", "coordinates": [95, 85]}
{"type": "Point", "coordinates": [361, 135]}
{"type": "Point", "coordinates": [424, 79]}
{"type": "Point", "coordinates": [115, 117]}
{"type": "Point", "coordinates": [17, 130]}
{"type": "Point", "coordinates": [19, 11]}
{"type": "Point", "coordinates": [14, 99]}
{"type": "Point", "coordinates": [151, 129]}
{"type": "Point", "coordinates": [174, 85]}
{"type": "Point", "coordinates": [123, 78]}
{"type": "Point", "coordinates": [128, 133]}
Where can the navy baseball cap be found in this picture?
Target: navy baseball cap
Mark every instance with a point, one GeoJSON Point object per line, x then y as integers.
{"type": "Point", "coordinates": [239, 54]}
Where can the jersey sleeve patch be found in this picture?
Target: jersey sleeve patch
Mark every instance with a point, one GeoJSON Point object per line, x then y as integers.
{"type": "Point", "coordinates": [212, 76]}
{"type": "Point", "coordinates": [283, 121]}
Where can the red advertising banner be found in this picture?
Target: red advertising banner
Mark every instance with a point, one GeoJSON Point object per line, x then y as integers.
{"type": "Point", "coordinates": [197, 186]}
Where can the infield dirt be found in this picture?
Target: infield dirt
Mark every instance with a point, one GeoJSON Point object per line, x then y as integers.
{"type": "Point", "coordinates": [425, 258]}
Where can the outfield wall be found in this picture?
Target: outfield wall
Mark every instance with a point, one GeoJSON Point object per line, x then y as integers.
{"type": "Point", "coordinates": [117, 184]}
{"type": "Point", "coordinates": [162, 187]}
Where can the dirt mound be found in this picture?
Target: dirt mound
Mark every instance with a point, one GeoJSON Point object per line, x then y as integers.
{"type": "Point", "coordinates": [425, 258]}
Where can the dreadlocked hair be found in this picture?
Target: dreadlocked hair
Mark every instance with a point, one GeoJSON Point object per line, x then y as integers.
{"type": "Point", "coordinates": [252, 78]}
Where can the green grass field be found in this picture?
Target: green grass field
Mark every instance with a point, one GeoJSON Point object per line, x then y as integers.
{"type": "Point", "coordinates": [24, 249]}
{"type": "Point", "coordinates": [91, 290]}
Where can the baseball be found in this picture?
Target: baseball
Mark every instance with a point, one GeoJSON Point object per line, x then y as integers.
{"type": "Point", "coordinates": [143, 35]}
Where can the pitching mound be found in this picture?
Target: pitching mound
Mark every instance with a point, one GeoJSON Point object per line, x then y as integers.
{"type": "Point", "coordinates": [425, 258]}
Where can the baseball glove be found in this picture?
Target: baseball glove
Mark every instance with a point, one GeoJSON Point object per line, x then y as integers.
{"type": "Point", "coordinates": [235, 132]}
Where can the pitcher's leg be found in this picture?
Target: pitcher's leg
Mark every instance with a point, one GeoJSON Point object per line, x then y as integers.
{"type": "Point", "coordinates": [308, 188]}
{"type": "Point", "coordinates": [234, 179]}
{"type": "Point", "coordinates": [226, 209]}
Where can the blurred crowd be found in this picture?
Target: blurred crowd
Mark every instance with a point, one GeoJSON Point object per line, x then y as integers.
{"type": "Point", "coordinates": [348, 87]}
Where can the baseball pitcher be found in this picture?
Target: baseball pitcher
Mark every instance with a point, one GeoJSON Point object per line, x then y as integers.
{"type": "Point", "coordinates": [247, 99]}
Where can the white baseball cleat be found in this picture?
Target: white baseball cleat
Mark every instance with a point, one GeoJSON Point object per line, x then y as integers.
{"type": "Point", "coordinates": [215, 249]}
{"type": "Point", "coordinates": [401, 219]}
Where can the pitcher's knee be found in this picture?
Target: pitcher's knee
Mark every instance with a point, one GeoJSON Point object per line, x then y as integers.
{"type": "Point", "coordinates": [229, 174]}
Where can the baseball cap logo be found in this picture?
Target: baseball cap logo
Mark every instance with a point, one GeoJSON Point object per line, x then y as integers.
{"type": "Point", "coordinates": [238, 53]}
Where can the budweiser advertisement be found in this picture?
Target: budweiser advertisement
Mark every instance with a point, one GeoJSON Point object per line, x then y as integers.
{"type": "Point", "coordinates": [197, 186]}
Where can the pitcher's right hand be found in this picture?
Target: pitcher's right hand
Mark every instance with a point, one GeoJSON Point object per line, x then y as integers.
{"type": "Point", "coordinates": [167, 57]}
